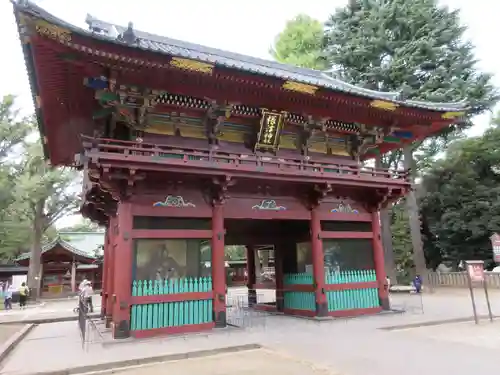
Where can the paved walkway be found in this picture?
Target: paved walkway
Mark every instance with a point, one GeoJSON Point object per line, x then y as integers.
{"type": "Point", "coordinates": [346, 346]}
{"type": "Point", "coordinates": [46, 310]}
{"type": "Point", "coordinates": [260, 361]}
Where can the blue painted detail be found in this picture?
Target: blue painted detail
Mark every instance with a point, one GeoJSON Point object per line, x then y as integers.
{"type": "Point", "coordinates": [403, 134]}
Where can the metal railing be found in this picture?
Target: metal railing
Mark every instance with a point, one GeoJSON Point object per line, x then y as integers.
{"type": "Point", "coordinates": [459, 279]}
{"type": "Point", "coordinates": [102, 148]}
{"type": "Point", "coordinates": [89, 332]}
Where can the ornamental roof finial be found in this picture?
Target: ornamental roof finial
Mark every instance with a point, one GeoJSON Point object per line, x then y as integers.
{"type": "Point", "coordinates": [128, 35]}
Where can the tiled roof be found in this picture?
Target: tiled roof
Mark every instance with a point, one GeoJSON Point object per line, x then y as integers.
{"type": "Point", "coordinates": [79, 243]}
{"type": "Point", "coordinates": [159, 44]}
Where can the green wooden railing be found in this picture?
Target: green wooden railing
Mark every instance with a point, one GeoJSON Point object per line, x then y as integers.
{"type": "Point", "coordinates": [171, 314]}
{"type": "Point", "coordinates": [337, 300]}
{"type": "Point", "coordinates": [346, 277]}
{"type": "Point", "coordinates": [299, 300]}
{"type": "Point", "coordinates": [352, 298]}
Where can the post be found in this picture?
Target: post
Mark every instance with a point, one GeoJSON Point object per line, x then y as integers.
{"type": "Point", "coordinates": [218, 267]}
{"type": "Point", "coordinates": [123, 279]}
{"type": "Point", "coordinates": [105, 273]}
{"type": "Point", "coordinates": [378, 257]}
{"type": "Point", "coordinates": [279, 249]}
{"type": "Point", "coordinates": [111, 273]}
{"type": "Point", "coordinates": [73, 276]}
{"type": "Point", "coordinates": [473, 300]}
{"type": "Point", "coordinates": [251, 279]}
{"type": "Point", "coordinates": [490, 314]}
{"type": "Point", "coordinates": [475, 273]}
{"type": "Point", "coordinates": [318, 265]}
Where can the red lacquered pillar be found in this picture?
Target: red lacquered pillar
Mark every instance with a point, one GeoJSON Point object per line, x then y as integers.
{"type": "Point", "coordinates": [123, 278]}
{"type": "Point", "coordinates": [279, 249]}
{"type": "Point", "coordinates": [105, 274]}
{"type": "Point", "coordinates": [251, 279]}
{"type": "Point", "coordinates": [218, 267]}
{"type": "Point", "coordinates": [111, 270]}
{"type": "Point", "coordinates": [378, 257]}
{"type": "Point", "coordinates": [318, 265]}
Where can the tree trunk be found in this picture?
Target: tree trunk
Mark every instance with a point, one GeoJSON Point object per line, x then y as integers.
{"type": "Point", "coordinates": [390, 264]}
{"type": "Point", "coordinates": [34, 271]}
{"type": "Point", "coordinates": [385, 223]}
{"type": "Point", "coordinates": [413, 216]}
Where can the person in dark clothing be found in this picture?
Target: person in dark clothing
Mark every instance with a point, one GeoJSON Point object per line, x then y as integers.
{"type": "Point", "coordinates": [417, 283]}
{"type": "Point", "coordinates": [23, 295]}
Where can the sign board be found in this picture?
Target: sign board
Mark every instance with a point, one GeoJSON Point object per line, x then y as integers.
{"type": "Point", "coordinates": [270, 130]}
{"type": "Point", "coordinates": [475, 269]}
{"type": "Point", "coordinates": [495, 244]}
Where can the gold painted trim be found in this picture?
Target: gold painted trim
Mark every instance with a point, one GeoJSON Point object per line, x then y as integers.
{"type": "Point", "coordinates": [300, 87]}
{"type": "Point", "coordinates": [52, 31]}
{"type": "Point", "coordinates": [382, 104]}
{"type": "Point", "coordinates": [452, 115]}
{"type": "Point", "coordinates": [196, 66]}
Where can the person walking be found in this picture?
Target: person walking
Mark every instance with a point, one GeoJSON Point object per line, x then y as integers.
{"type": "Point", "coordinates": [87, 292]}
{"type": "Point", "coordinates": [417, 283]}
{"type": "Point", "coordinates": [8, 298]}
{"type": "Point", "coordinates": [23, 295]}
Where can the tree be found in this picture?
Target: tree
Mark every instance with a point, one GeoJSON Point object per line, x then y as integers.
{"type": "Point", "coordinates": [14, 231]}
{"type": "Point", "coordinates": [84, 225]}
{"type": "Point", "coordinates": [300, 43]}
{"type": "Point", "coordinates": [461, 201]}
{"type": "Point", "coordinates": [45, 194]}
{"type": "Point", "coordinates": [414, 47]}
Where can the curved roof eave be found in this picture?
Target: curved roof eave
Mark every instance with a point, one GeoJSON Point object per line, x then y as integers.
{"type": "Point", "coordinates": [65, 245]}
{"type": "Point", "coordinates": [177, 48]}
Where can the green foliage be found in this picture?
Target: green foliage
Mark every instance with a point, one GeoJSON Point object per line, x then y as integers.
{"type": "Point", "coordinates": [401, 242]}
{"type": "Point", "coordinates": [84, 225]}
{"type": "Point", "coordinates": [412, 46]}
{"type": "Point", "coordinates": [33, 195]}
{"type": "Point", "coordinates": [235, 252]}
{"type": "Point", "coordinates": [461, 201]}
{"type": "Point", "coordinates": [300, 43]}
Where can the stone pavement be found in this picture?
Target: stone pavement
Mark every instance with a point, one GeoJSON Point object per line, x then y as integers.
{"type": "Point", "coordinates": [46, 310]}
{"type": "Point", "coordinates": [259, 361]}
{"type": "Point", "coordinates": [346, 346]}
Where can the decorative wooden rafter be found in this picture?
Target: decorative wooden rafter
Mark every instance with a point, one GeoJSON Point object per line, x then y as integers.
{"type": "Point", "coordinates": [300, 87]}
{"type": "Point", "coordinates": [51, 31]}
{"type": "Point", "coordinates": [218, 192]}
{"type": "Point", "coordinates": [452, 115]}
{"type": "Point", "coordinates": [192, 65]}
{"type": "Point", "coordinates": [382, 104]}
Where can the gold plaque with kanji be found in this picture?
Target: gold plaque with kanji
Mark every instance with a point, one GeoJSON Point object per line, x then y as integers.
{"type": "Point", "coordinates": [270, 129]}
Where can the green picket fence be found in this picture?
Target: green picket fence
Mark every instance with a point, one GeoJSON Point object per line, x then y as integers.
{"type": "Point", "coordinates": [337, 300]}
{"type": "Point", "coordinates": [352, 299]}
{"type": "Point", "coordinates": [300, 301]}
{"type": "Point", "coordinates": [171, 314]}
{"type": "Point", "coordinates": [352, 276]}
{"type": "Point", "coordinates": [298, 278]}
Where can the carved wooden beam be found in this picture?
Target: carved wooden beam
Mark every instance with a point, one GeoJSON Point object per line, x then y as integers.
{"type": "Point", "coordinates": [214, 117]}
{"type": "Point", "coordinates": [219, 189]}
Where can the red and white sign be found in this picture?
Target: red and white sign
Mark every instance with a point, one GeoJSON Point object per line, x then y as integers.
{"type": "Point", "coordinates": [495, 244]}
{"type": "Point", "coordinates": [475, 270]}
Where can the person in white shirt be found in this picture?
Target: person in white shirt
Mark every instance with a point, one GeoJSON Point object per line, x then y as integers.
{"type": "Point", "coordinates": [87, 292]}
{"type": "Point", "coordinates": [82, 284]}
